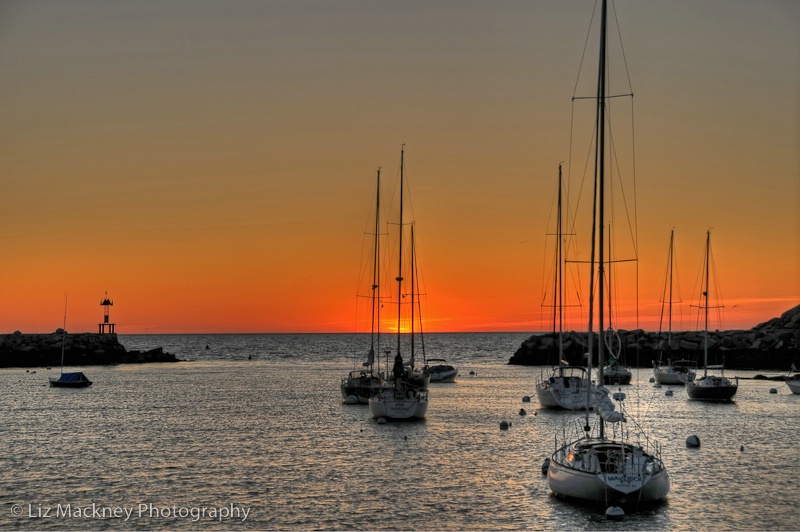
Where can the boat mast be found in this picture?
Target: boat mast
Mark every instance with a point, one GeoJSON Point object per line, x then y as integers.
{"type": "Point", "coordinates": [600, 184]}
{"type": "Point", "coordinates": [705, 343]}
{"type": "Point", "coordinates": [671, 262]}
{"type": "Point", "coordinates": [63, 333]}
{"type": "Point", "coordinates": [559, 279]}
{"type": "Point", "coordinates": [375, 268]}
{"type": "Point", "coordinates": [413, 267]}
{"type": "Point", "coordinates": [415, 286]}
{"type": "Point", "coordinates": [399, 278]}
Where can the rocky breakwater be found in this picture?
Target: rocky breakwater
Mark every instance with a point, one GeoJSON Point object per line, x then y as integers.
{"type": "Point", "coordinates": [772, 345]}
{"type": "Point", "coordinates": [83, 349]}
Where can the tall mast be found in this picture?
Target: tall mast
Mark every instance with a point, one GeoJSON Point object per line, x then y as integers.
{"type": "Point", "coordinates": [559, 278]}
{"type": "Point", "coordinates": [671, 262]}
{"type": "Point", "coordinates": [375, 269]}
{"type": "Point", "coordinates": [413, 267]}
{"type": "Point", "coordinates": [600, 169]}
{"type": "Point", "coordinates": [399, 278]}
{"type": "Point", "coordinates": [705, 343]}
{"type": "Point", "coordinates": [63, 333]}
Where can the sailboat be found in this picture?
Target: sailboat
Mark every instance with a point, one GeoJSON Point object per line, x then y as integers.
{"type": "Point", "coordinates": [75, 379]}
{"type": "Point", "coordinates": [679, 371]}
{"type": "Point", "coordinates": [594, 467]}
{"type": "Point", "coordinates": [614, 372]}
{"type": "Point", "coordinates": [442, 371]}
{"type": "Point", "coordinates": [567, 386]}
{"type": "Point", "coordinates": [710, 387]}
{"type": "Point", "coordinates": [419, 377]}
{"type": "Point", "coordinates": [404, 394]}
{"type": "Point", "coordinates": [361, 383]}
{"type": "Point", "coordinates": [793, 381]}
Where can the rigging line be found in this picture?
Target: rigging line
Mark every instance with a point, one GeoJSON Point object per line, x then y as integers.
{"type": "Point", "coordinates": [585, 48]}
{"type": "Point", "coordinates": [718, 300]}
{"type": "Point", "coordinates": [631, 225]}
{"type": "Point", "coordinates": [546, 254]}
{"type": "Point", "coordinates": [621, 46]}
{"type": "Point", "coordinates": [587, 163]}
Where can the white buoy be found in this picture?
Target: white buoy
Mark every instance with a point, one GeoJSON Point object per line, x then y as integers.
{"type": "Point", "coordinates": [381, 420]}
{"type": "Point", "coordinates": [545, 466]}
{"type": "Point", "coordinates": [773, 390]}
{"type": "Point", "coordinates": [351, 400]}
{"type": "Point", "coordinates": [615, 513]}
{"type": "Point", "coordinates": [526, 399]}
{"type": "Point", "coordinates": [504, 425]}
{"type": "Point", "coordinates": [668, 393]}
{"type": "Point", "coordinates": [692, 441]}
{"type": "Point", "coordinates": [522, 412]}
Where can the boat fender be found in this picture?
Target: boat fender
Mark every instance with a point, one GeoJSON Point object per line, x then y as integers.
{"type": "Point", "coordinates": [693, 441]}
{"type": "Point", "coordinates": [615, 513]}
{"type": "Point", "coordinates": [545, 466]}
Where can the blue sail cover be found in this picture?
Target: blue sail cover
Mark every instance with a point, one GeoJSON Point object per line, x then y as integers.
{"type": "Point", "coordinates": [73, 377]}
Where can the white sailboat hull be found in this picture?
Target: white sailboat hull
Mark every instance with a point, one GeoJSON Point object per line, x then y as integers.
{"type": "Point", "coordinates": [664, 375]}
{"type": "Point", "coordinates": [566, 389]}
{"type": "Point", "coordinates": [673, 374]}
{"type": "Point", "coordinates": [607, 488]}
{"type": "Point", "coordinates": [399, 403]}
{"type": "Point", "coordinates": [794, 386]}
{"type": "Point", "coordinates": [607, 472]}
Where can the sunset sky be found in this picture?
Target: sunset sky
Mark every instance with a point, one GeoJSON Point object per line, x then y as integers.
{"type": "Point", "coordinates": [211, 164]}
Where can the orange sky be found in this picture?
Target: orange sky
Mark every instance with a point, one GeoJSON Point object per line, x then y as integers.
{"type": "Point", "coordinates": [211, 164]}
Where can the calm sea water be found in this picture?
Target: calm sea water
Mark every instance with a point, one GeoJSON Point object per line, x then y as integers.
{"type": "Point", "coordinates": [154, 446]}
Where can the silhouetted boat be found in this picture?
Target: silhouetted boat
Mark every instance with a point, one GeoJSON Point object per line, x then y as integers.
{"type": "Point", "coordinates": [404, 396]}
{"type": "Point", "coordinates": [680, 371]}
{"type": "Point", "coordinates": [592, 467]}
{"type": "Point", "coordinates": [360, 384]}
{"type": "Point", "coordinates": [75, 379]}
{"type": "Point", "coordinates": [567, 387]}
{"type": "Point", "coordinates": [441, 372]}
{"type": "Point", "coordinates": [710, 387]}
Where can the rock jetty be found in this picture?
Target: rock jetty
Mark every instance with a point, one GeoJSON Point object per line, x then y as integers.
{"type": "Point", "coordinates": [772, 345]}
{"type": "Point", "coordinates": [83, 349]}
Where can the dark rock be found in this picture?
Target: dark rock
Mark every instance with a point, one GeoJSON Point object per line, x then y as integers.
{"type": "Point", "coordinates": [83, 349]}
{"type": "Point", "coordinates": [774, 344]}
